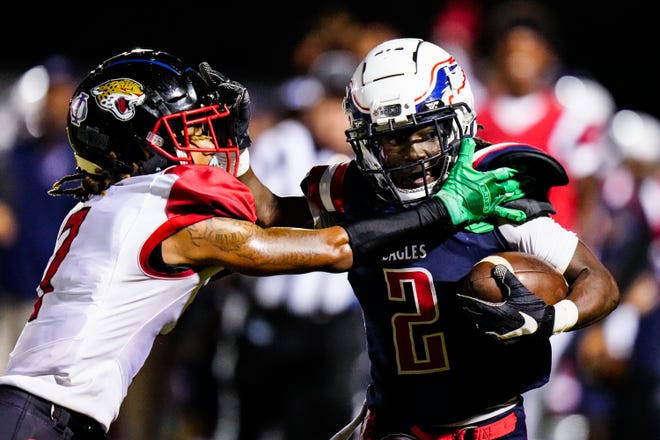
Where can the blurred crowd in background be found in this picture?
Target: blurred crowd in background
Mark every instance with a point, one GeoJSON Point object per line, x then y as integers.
{"type": "Point", "coordinates": [282, 358]}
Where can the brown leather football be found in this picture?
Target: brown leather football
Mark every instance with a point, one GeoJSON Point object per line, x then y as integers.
{"type": "Point", "coordinates": [538, 276]}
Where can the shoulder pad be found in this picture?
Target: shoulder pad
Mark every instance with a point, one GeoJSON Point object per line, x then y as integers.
{"type": "Point", "coordinates": [531, 161]}
{"type": "Point", "coordinates": [324, 186]}
{"type": "Point", "coordinates": [524, 158]}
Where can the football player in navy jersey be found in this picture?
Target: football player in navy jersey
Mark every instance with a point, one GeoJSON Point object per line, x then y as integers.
{"type": "Point", "coordinates": [165, 204]}
{"type": "Point", "coordinates": [444, 365]}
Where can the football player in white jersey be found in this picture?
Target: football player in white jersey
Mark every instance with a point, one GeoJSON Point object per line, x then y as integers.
{"type": "Point", "coordinates": [167, 201]}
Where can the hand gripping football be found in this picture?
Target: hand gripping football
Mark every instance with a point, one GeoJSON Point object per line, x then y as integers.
{"type": "Point", "coordinates": [539, 277]}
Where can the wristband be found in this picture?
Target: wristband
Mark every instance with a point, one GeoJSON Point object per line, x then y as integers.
{"type": "Point", "coordinates": [566, 316]}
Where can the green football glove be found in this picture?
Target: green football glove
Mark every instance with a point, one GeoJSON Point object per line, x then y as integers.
{"type": "Point", "coordinates": [471, 196]}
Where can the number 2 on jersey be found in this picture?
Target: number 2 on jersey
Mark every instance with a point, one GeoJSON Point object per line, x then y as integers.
{"type": "Point", "coordinates": [416, 351]}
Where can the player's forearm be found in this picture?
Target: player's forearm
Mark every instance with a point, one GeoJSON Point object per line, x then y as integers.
{"type": "Point", "coordinates": [290, 250]}
{"type": "Point", "coordinates": [366, 237]}
{"type": "Point", "coordinates": [586, 274]}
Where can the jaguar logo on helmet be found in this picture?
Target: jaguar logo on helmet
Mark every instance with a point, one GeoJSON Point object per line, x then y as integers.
{"type": "Point", "coordinates": [119, 97]}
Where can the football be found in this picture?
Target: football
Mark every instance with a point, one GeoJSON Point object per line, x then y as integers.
{"type": "Point", "coordinates": [538, 276]}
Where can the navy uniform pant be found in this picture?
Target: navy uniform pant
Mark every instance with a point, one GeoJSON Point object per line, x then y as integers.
{"type": "Point", "coordinates": [24, 416]}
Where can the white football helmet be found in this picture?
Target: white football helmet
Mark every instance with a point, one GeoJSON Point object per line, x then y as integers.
{"type": "Point", "coordinates": [402, 86]}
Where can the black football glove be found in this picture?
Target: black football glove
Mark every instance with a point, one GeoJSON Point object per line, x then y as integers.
{"type": "Point", "coordinates": [521, 314]}
{"type": "Point", "coordinates": [238, 100]}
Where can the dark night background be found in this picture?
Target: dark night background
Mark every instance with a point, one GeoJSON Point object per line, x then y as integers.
{"type": "Point", "coordinates": [616, 42]}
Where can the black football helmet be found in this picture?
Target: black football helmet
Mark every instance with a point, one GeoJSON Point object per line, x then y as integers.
{"type": "Point", "coordinates": [133, 113]}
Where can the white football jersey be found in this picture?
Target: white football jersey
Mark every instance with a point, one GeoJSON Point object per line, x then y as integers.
{"type": "Point", "coordinates": [101, 303]}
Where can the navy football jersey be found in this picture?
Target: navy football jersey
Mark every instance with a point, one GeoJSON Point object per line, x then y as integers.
{"type": "Point", "coordinates": [429, 365]}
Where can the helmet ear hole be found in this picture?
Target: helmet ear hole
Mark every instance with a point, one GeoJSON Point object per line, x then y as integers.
{"type": "Point", "coordinates": [404, 85]}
